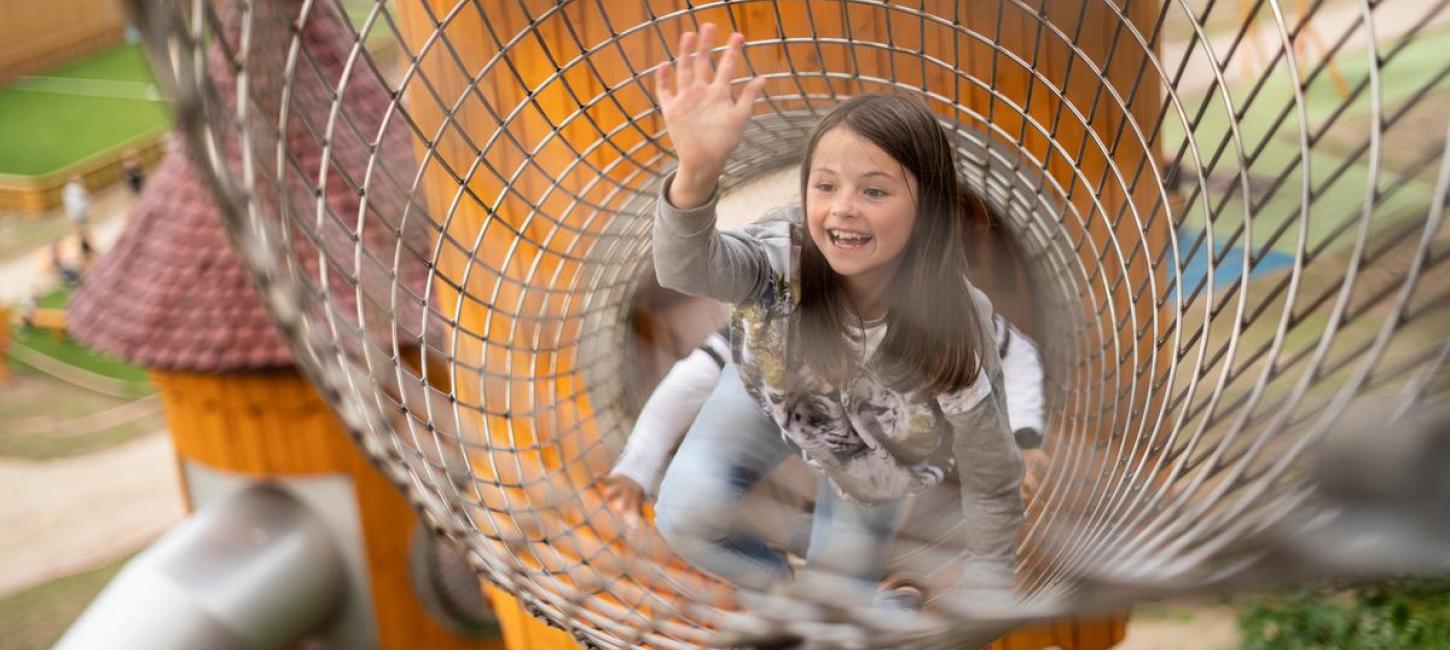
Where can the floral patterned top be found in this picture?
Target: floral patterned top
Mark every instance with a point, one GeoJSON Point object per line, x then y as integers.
{"type": "Point", "coordinates": [874, 443]}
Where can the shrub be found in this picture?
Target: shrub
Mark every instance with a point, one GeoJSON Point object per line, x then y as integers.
{"type": "Point", "coordinates": [1407, 614]}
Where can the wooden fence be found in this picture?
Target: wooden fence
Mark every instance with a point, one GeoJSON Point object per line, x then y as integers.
{"type": "Point", "coordinates": [37, 35]}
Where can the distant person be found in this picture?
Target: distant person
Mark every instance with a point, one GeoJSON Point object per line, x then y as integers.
{"type": "Point", "coordinates": [134, 171]}
{"type": "Point", "coordinates": [28, 307]}
{"type": "Point", "coordinates": [77, 202]}
{"type": "Point", "coordinates": [65, 269]}
{"type": "Point", "coordinates": [88, 251]}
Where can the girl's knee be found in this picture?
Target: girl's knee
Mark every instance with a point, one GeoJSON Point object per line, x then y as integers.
{"type": "Point", "coordinates": [693, 510]}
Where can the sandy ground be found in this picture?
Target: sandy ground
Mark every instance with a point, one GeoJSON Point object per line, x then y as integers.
{"type": "Point", "coordinates": [1189, 627]}
{"type": "Point", "coordinates": [61, 517]}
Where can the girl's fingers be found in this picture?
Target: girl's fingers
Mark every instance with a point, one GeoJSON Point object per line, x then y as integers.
{"type": "Point", "coordinates": [752, 92]}
{"type": "Point", "coordinates": [684, 60]}
{"type": "Point", "coordinates": [728, 61]}
{"type": "Point", "coordinates": [703, 72]}
{"type": "Point", "coordinates": [662, 82]}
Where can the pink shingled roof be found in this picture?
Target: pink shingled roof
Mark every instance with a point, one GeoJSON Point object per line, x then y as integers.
{"type": "Point", "coordinates": [173, 295]}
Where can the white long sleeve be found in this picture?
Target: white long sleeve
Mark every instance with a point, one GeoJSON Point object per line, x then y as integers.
{"type": "Point", "coordinates": [1023, 377]}
{"type": "Point", "coordinates": [669, 412]}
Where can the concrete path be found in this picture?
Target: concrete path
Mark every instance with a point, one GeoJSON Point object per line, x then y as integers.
{"type": "Point", "coordinates": [65, 516]}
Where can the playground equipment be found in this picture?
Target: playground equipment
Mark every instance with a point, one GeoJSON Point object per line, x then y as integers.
{"type": "Point", "coordinates": [255, 571]}
{"type": "Point", "coordinates": [330, 553]}
{"type": "Point", "coordinates": [1232, 275]}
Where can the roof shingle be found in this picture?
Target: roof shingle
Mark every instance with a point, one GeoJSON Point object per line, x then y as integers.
{"type": "Point", "coordinates": [172, 294]}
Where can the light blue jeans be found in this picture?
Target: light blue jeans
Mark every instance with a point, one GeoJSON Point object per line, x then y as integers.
{"type": "Point", "coordinates": [731, 445]}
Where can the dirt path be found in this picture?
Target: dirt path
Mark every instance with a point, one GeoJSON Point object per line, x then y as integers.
{"type": "Point", "coordinates": [61, 517]}
{"type": "Point", "coordinates": [1191, 627]}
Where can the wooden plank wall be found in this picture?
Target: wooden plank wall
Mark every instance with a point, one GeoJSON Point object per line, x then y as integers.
{"type": "Point", "coordinates": [37, 35]}
{"type": "Point", "coordinates": [33, 195]}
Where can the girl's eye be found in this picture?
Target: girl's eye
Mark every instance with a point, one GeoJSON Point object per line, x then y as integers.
{"type": "Point", "coordinates": [825, 187]}
{"type": "Point", "coordinates": [875, 192]}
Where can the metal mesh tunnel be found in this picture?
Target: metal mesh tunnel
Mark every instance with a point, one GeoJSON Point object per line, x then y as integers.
{"type": "Point", "coordinates": [1222, 221]}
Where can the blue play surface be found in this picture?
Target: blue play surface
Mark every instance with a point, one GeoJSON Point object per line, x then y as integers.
{"type": "Point", "coordinates": [1229, 268]}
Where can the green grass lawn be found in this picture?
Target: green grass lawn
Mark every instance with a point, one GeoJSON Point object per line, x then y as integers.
{"type": "Point", "coordinates": [64, 115]}
{"type": "Point", "coordinates": [1419, 64]}
{"type": "Point", "coordinates": [55, 299]}
{"type": "Point", "coordinates": [75, 354]}
{"type": "Point", "coordinates": [121, 63]}
{"type": "Point", "coordinates": [35, 397]}
{"type": "Point", "coordinates": [78, 355]}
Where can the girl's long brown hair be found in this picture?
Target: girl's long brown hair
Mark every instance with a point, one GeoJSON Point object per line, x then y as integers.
{"type": "Point", "coordinates": [933, 331]}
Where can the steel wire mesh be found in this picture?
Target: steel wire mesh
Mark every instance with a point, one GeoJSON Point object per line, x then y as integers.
{"type": "Point", "coordinates": [1227, 219]}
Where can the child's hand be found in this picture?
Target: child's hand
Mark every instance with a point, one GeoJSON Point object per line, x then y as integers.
{"type": "Point", "coordinates": [1036, 461]}
{"type": "Point", "coordinates": [625, 497]}
{"type": "Point", "coordinates": [704, 121]}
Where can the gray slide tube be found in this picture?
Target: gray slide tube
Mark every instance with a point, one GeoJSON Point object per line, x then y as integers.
{"type": "Point", "coordinates": [254, 571]}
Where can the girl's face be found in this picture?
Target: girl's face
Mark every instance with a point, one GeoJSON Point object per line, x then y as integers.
{"type": "Point", "coordinates": [860, 207]}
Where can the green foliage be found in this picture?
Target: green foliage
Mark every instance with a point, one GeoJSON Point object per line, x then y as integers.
{"type": "Point", "coordinates": [1409, 614]}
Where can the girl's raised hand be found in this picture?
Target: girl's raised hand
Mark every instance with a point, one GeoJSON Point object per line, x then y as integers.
{"type": "Point", "coordinates": [703, 119]}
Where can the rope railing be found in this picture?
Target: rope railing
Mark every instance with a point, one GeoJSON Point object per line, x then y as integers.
{"type": "Point", "coordinates": [76, 375]}
{"type": "Point", "coordinates": [90, 423]}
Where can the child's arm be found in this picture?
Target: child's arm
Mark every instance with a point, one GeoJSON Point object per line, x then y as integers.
{"type": "Point", "coordinates": [706, 124]}
{"type": "Point", "coordinates": [1024, 380]}
{"type": "Point", "coordinates": [692, 257]}
{"type": "Point", "coordinates": [990, 468]}
{"type": "Point", "coordinates": [704, 120]}
{"type": "Point", "coordinates": [668, 414]}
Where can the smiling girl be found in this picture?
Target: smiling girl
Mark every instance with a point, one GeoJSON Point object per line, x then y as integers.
{"type": "Point", "coordinates": [856, 339]}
